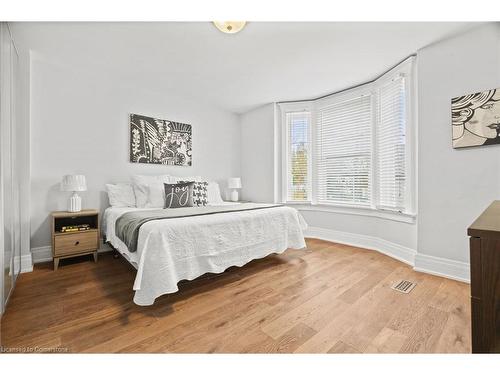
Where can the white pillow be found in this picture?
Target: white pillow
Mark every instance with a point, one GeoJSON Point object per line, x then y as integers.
{"type": "Point", "coordinates": [140, 183]}
{"type": "Point", "coordinates": [121, 195]}
{"type": "Point", "coordinates": [213, 193]}
{"type": "Point", "coordinates": [156, 195]}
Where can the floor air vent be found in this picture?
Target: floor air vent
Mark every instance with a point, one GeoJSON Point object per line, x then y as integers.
{"type": "Point", "coordinates": [404, 286]}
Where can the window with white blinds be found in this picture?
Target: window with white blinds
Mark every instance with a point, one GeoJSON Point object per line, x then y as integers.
{"type": "Point", "coordinates": [352, 149]}
{"type": "Point", "coordinates": [298, 164]}
{"type": "Point", "coordinates": [391, 145]}
{"type": "Point", "coordinates": [344, 143]}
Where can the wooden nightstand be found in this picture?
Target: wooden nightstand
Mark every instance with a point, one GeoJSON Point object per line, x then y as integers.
{"type": "Point", "coordinates": [71, 244]}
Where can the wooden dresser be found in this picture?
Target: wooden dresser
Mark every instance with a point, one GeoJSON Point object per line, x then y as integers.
{"type": "Point", "coordinates": [485, 280]}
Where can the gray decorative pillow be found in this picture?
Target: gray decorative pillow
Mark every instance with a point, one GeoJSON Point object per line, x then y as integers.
{"type": "Point", "coordinates": [200, 193]}
{"type": "Point", "coordinates": [179, 195]}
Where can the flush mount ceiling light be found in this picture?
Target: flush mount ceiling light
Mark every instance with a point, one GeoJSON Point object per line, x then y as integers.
{"type": "Point", "coordinates": [230, 27]}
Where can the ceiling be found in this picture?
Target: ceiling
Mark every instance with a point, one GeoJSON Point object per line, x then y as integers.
{"type": "Point", "coordinates": [266, 62]}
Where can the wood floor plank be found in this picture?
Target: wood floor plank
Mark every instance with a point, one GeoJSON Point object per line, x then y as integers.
{"type": "Point", "coordinates": [419, 298]}
{"type": "Point", "coordinates": [387, 341]}
{"type": "Point", "coordinates": [448, 294]}
{"type": "Point", "coordinates": [391, 304]}
{"type": "Point", "coordinates": [329, 298]}
{"type": "Point", "coordinates": [454, 339]}
{"type": "Point", "coordinates": [320, 304]}
{"type": "Point", "coordinates": [342, 347]}
{"type": "Point", "coordinates": [427, 330]}
{"type": "Point", "coordinates": [254, 341]}
{"type": "Point", "coordinates": [385, 303]}
{"type": "Point", "coordinates": [291, 339]}
{"type": "Point", "coordinates": [357, 313]}
{"type": "Point", "coordinates": [363, 286]}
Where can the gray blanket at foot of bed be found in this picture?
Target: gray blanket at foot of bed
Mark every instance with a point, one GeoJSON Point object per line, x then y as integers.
{"type": "Point", "coordinates": [127, 226]}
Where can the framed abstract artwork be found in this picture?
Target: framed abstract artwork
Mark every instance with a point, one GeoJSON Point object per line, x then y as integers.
{"type": "Point", "coordinates": [476, 119]}
{"type": "Point", "coordinates": [156, 141]}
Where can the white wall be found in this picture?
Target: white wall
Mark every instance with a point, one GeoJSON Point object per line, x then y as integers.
{"type": "Point", "coordinates": [79, 124]}
{"type": "Point", "coordinates": [257, 154]}
{"type": "Point", "coordinates": [455, 185]}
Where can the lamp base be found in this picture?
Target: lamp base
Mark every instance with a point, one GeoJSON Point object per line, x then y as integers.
{"type": "Point", "coordinates": [75, 203]}
{"type": "Point", "coordinates": [234, 195]}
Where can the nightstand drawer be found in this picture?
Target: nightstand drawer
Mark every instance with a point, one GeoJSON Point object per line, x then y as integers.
{"type": "Point", "coordinates": [75, 243]}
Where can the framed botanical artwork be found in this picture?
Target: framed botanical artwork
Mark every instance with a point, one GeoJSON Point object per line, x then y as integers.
{"type": "Point", "coordinates": [476, 119]}
{"type": "Point", "coordinates": [156, 141]}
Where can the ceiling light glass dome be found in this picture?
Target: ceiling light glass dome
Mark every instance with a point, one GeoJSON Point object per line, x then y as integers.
{"type": "Point", "coordinates": [230, 27]}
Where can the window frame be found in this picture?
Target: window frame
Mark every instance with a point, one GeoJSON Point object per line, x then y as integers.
{"type": "Point", "coordinates": [408, 69]}
{"type": "Point", "coordinates": [285, 109]}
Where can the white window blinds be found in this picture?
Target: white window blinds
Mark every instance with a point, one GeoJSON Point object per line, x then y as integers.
{"type": "Point", "coordinates": [344, 140]}
{"type": "Point", "coordinates": [353, 148]}
{"type": "Point", "coordinates": [298, 176]}
{"type": "Point", "coordinates": [391, 145]}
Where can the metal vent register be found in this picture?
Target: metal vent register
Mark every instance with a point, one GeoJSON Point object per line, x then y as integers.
{"type": "Point", "coordinates": [404, 286]}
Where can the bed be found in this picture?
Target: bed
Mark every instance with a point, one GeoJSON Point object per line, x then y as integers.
{"type": "Point", "coordinates": [169, 250]}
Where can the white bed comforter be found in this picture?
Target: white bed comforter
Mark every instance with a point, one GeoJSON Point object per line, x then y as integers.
{"type": "Point", "coordinates": [172, 250]}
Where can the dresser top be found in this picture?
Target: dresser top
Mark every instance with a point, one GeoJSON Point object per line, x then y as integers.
{"type": "Point", "coordinates": [488, 223]}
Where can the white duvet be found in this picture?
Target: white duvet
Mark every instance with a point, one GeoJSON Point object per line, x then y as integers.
{"type": "Point", "coordinates": [171, 250]}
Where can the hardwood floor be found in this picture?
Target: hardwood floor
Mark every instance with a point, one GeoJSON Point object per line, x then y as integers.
{"type": "Point", "coordinates": [329, 298]}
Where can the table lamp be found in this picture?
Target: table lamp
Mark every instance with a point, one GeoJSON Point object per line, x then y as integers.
{"type": "Point", "coordinates": [234, 183]}
{"type": "Point", "coordinates": [74, 183]}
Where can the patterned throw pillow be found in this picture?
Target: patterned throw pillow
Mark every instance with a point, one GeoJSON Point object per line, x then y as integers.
{"type": "Point", "coordinates": [179, 195]}
{"type": "Point", "coordinates": [200, 193]}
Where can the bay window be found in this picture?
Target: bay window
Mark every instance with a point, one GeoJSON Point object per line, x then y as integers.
{"type": "Point", "coordinates": [352, 149]}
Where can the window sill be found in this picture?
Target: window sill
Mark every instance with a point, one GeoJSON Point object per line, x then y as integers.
{"type": "Point", "coordinates": [388, 215]}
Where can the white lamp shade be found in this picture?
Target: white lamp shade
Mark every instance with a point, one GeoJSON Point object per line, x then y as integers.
{"type": "Point", "coordinates": [74, 182]}
{"type": "Point", "coordinates": [234, 183]}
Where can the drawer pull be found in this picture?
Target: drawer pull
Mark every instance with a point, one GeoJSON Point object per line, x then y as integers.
{"type": "Point", "coordinates": [77, 242]}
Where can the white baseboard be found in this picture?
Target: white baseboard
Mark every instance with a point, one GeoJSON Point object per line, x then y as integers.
{"type": "Point", "coordinates": [448, 268]}
{"type": "Point", "coordinates": [41, 254]}
{"type": "Point", "coordinates": [399, 252]}
{"type": "Point", "coordinates": [25, 261]}
{"type": "Point", "coordinates": [44, 253]}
